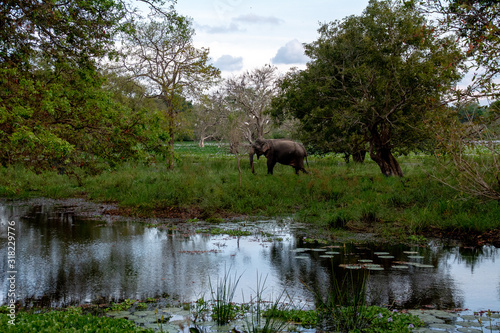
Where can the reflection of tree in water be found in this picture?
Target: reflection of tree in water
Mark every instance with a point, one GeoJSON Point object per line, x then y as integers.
{"type": "Point", "coordinates": [66, 261]}
{"type": "Point", "coordinates": [411, 288]}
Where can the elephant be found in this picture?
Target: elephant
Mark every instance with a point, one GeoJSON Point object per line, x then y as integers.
{"type": "Point", "coordinates": [282, 151]}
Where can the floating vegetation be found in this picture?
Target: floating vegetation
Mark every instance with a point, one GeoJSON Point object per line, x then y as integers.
{"type": "Point", "coordinates": [415, 264]}
{"type": "Point", "coordinates": [422, 265]}
{"type": "Point", "coordinates": [375, 268]}
{"type": "Point", "coordinates": [400, 267]}
{"type": "Point", "coordinates": [365, 260]}
{"type": "Point", "coordinates": [332, 252]}
{"type": "Point", "coordinates": [351, 266]}
{"type": "Point", "coordinates": [301, 257]}
{"type": "Point", "coordinates": [381, 253]}
{"type": "Point", "coordinates": [300, 249]}
{"type": "Point", "coordinates": [326, 256]}
{"type": "Point", "coordinates": [386, 257]}
{"type": "Point", "coordinates": [372, 267]}
{"type": "Point", "coordinates": [201, 252]}
{"type": "Point", "coordinates": [410, 252]}
{"type": "Point", "coordinates": [416, 257]}
{"type": "Point", "coordinates": [318, 250]}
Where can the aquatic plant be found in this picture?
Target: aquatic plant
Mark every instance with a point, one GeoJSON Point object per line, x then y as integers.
{"type": "Point", "coordinates": [200, 310]}
{"type": "Point", "coordinates": [223, 309]}
{"type": "Point", "coordinates": [264, 317]}
{"type": "Point", "coordinates": [126, 304]}
{"type": "Point", "coordinates": [67, 320]}
{"type": "Point", "coordinates": [344, 306]}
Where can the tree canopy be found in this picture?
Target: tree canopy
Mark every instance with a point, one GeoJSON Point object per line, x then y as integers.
{"type": "Point", "coordinates": [477, 26]}
{"type": "Point", "coordinates": [162, 56]}
{"type": "Point", "coordinates": [372, 79]}
{"type": "Point", "coordinates": [57, 107]}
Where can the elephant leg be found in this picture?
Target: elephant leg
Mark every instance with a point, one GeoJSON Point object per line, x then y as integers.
{"type": "Point", "coordinates": [270, 166]}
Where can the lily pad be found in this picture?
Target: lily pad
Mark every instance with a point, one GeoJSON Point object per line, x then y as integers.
{"type": "Point", "coordinates": [318, 250]}
{"type": "Point", "coordinates": [144, 313]}
{"type": "Point", "coordinates": [375, 268]}
{"type": "Point", "coordinates": [386, 257]}
{"type": "Point", "coordinates": [399, 267]}
{"type": "Point", "coordinates": [300, 249]}
{"type": "Point", "coordinates": [416, 257]}
{"type": "Point", "coordinates": [365, 260]}
{"type": "Point", "coordinates": [326, 256]}
{"type": "Point", "coordinates": [301, 257]}
{"type": "Point", "coordinates": [422, 265]}
{"type": "Point", "coordinates": [332, 252]}
{"type": "Point", "coordinates": [117, 313]}
{"type": "Point", "coordinates": [381, 253]}
{"type": "Point", "coordinates": [351, 266]}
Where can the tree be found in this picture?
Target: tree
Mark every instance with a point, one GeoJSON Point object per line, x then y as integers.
{"type": "Point", "coordinates": [251, 93]}
{"type": "Point", "coordinates": [161, 55]}
{"type": "Point", "coordinates": [211, 117]}
{"type": "Point", "coordinates": [471, 156]}
{"type": "Point", "coordinates": [54, 110]}
{"type": "Point", "coordinates": [477, 26]}
{"type": "Point", "coordinates": [374, 77]}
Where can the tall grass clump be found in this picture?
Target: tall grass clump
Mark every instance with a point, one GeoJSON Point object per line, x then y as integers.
{"type": "Point", "coordinates": [344, 308]}
{"type": "Point", "coordinates": [266, 316]}
{"type": "Point", "coordinates": [223, 309]}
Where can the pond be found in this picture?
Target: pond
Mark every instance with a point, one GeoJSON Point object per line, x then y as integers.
{"type": "Point", "coordinates": [64, 258]}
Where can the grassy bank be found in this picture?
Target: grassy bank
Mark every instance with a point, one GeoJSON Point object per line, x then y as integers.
{"type": "Point", "coordinates": [334, 195]}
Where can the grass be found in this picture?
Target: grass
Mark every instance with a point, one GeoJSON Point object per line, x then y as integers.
{"type": "Point", "coordinates": [223, 309]}
{"type": "Point", "coordinates": [204, 184]}
{"type": "Point", "coordinates": [68, 320]}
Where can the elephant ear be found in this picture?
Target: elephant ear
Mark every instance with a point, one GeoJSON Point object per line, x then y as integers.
{"type": "Point", "coordinates": [266, 147]}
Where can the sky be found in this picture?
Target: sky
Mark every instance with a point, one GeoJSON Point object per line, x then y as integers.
{"type": "Point", "coordinates": [247, 34]}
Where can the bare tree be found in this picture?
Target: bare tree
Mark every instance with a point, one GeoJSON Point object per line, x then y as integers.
{"type": "Point", "coordinates": [211, 117]}
{"type": "Point", "coordinates": [469, 155]}
{"type": "Point", "coordinates": [251, 93]}
{"type": "Point", "coordinates": [161, 55]}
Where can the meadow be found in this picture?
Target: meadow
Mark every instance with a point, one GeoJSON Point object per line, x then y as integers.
{"type": "Point", "coordinates": [334, 197]}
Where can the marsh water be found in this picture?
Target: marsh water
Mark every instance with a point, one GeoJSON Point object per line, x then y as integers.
{"type": "Point", "coordinates": [64, 258]}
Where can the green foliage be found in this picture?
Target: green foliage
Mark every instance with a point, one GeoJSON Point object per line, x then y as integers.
{"type": "Point", "coordinates": [266, 316]}
{"type": "Point", "coordinates": [372, 81]}
{"type": "Point", "coordinates": [332, 197]}
{"type": "Point", "coordinates": [223, 308]}
{"type": "Point", "coordinates": [477, 26]}
{"type": "Point", "coordinates": [230, 232]}
{"type": "Point", "coordinates": [56, 112]}
{"type": "Point", "coordinates": [69, 320]}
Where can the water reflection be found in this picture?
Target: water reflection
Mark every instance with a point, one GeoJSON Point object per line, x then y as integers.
{"type": "Point", "coordinates": [65, 260]}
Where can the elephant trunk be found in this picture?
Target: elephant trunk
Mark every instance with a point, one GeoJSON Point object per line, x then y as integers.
{"type": "Point", "coordinates": [251, 152]}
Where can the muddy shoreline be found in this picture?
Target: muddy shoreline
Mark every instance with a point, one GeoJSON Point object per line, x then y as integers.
{"type": "Point", "coordinates": [112, 212]}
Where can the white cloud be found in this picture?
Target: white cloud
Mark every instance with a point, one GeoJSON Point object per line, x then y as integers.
{"type": "Point", "coordinates": [291, 53]}
{"type": "Point", "coordinates": [256, 19]}
{"type": "Point", "coordinates": [229, 63]}
{"type": "Point", "coordinates": [221, 29]}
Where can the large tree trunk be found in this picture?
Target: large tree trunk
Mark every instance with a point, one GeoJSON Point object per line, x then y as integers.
{"type": "Point", "coordinates": [386, 161]}
{"type": "Point", "coordinates": [380, 151]}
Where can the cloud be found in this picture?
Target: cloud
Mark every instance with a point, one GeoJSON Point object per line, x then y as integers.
{"type": "Point", "coordinates": [256, 19]}
{"type": "Point", "coordinates": [291, 53]}
{"type": "Point", "coordinates": [229, 63]}
{"type": "Point", "coordinates": [234, 25]}
{"type": "Point", "coordinates": [220, 29]}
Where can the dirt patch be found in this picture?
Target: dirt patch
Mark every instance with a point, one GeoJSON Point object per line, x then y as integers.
{"type": "Point", "coordinates": [468, 238]}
